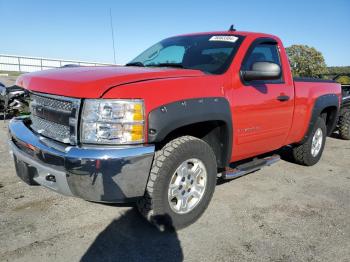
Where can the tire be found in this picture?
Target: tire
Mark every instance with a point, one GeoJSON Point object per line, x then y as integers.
{"type": "Point", "coordinates": [344, 125]}
{"type": "Point", "coordinates": [303, 153]}
{"type": "Point", "coordinates": [155, 206]}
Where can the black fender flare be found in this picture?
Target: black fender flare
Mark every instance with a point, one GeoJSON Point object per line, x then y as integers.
{"type": "Point", "coordinates": [165, 119]}
{"type": "Point", "coordinates": [321, 103]}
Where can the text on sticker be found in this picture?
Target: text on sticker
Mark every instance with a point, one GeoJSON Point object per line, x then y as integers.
{"type": "Point", "coordinates": [224, 38]}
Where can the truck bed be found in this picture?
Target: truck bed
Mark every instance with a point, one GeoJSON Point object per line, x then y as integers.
{"type": "Point", "coordinates": [307, 91]}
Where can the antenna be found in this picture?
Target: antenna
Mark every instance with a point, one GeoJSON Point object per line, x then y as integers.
{"type": "Point", "coordinates": [112, 31]}
{"type": "Point", "coordinates": [232, 28]}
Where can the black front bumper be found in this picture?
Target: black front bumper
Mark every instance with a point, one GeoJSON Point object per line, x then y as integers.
{"type": "Point", "coordinates": [101, 174]}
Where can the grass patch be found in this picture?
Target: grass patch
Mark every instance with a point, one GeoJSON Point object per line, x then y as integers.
{"type": "Point", "coordinates": [11, 73]}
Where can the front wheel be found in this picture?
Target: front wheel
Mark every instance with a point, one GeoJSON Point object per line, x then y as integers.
{"type": "Point", "coordinates": [181, 183]}
{"type": "Point", "coordinates": [310, 152]}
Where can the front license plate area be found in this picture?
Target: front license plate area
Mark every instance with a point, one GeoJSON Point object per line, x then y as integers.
{"type": "Point", "coordinates": [25, 172]}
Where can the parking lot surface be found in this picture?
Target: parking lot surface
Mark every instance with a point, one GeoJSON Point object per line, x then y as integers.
{"type": "Point", "coordinates": [284, 212]}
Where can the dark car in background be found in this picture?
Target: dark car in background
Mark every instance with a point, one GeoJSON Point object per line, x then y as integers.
{"type": "Point", "coordinates": [344, 118]}
{"type": "Point", "coordinates": [343, 126]}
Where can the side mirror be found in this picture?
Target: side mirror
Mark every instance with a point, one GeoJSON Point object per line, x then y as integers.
{"type": "Point", "coordinates": [262, 71]}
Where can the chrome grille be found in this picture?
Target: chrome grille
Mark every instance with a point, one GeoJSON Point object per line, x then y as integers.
{"type": "Point", "coordinates": [51, 129]}
{"type": "Point", "coordinates": [55, 117]}
{"type": "Point", "coordinates": [52, 103]}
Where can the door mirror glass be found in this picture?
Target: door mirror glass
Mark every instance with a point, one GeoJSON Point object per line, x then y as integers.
{"type": "Point", "coordinates": [262, 71]}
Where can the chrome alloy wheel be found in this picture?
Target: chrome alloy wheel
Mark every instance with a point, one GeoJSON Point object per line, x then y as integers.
{"type": "Point", "coordinates": [317, 141]}
{"type": "Point", "coordinates": [187, 186]}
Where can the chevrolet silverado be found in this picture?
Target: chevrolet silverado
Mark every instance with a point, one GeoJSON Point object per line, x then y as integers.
{"type": "Point", "coordinates": [162, 129]}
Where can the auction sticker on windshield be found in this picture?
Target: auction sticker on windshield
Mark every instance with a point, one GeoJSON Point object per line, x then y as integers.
{"type": "Point", "coordinates": [224, 38]}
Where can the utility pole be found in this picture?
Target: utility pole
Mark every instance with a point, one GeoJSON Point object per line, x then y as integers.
{"type": "Point", "coordinates": [112, 31]}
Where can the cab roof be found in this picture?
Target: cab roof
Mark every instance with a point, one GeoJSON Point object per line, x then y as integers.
{"type": "Point", "coordinates": [237, 33]}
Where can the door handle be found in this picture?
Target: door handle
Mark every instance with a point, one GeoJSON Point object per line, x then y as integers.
{"type": "Point", "coordinates": [283, 98]}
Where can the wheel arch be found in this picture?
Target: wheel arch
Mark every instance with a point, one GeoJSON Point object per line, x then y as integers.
{"type": "Point", "coordinates": [206, 118]}
{"type": "Point", "coordinates": [326, 106]}
{"type": "Point", "coordinates": [330, 115]}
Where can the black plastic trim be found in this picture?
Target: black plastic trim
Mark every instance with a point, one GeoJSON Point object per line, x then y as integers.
{"type": "Point", "coordinates": [322, 102]}
{"type": "Point", "coordinates": [169, 117]}
{"type": "Point", "coordinates": [310, 79]}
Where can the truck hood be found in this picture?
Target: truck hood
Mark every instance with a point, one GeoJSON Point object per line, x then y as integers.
{"type": "Point", "coordinates": [93, 82]}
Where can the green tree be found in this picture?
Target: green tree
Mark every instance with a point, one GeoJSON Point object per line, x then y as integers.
{"type": "Point", "coordinates": [306, 61]}
{"type": "Point", "coordinates": [339, 70]}
{"type": "Point", "coordinates": [343, 71]}
{"type": "Point", "coordinates": [344, 80]}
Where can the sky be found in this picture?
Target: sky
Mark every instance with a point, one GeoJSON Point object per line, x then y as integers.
{"type": "Point", "coordinates": [81, 30]}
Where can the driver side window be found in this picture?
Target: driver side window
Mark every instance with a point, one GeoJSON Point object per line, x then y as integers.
{"type": "Point", "coordinates": [265, 52]}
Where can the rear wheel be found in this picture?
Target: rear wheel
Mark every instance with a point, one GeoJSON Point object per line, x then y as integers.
{"type": "Point", "coordinates": [344, 125]}
{"type": "Point", "coordinates": [310, 152]}
{"type": "Point", "coordinates": [181, 183]}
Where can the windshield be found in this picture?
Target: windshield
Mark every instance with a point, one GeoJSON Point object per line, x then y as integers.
{"type": "Point", "coordinates": [208, 53]}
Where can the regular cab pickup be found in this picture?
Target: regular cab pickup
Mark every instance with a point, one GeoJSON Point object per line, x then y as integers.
{"type": "Point", "coordinates": [162, 129]}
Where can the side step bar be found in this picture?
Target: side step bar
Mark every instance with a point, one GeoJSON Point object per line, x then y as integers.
{"type": "Point", "coordinates": [254, 165]}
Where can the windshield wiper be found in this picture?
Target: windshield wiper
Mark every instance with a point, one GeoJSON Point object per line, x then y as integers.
{"type": "Point", "coordinates": [135, 64]}
{"type": "Point", "coordinates": [168, 65]}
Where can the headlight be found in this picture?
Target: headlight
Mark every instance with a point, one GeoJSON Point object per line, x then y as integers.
{"type": "Point", "coordinates": [112, 121]}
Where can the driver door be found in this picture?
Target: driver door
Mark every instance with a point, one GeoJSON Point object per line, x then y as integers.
{"type": "Point", "coordinates": [261, 119]}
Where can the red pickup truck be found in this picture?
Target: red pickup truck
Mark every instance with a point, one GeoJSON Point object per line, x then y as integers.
{"type": "Point", "coordinates": [160, 130]}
